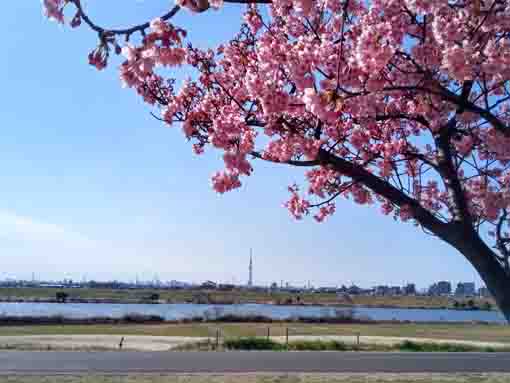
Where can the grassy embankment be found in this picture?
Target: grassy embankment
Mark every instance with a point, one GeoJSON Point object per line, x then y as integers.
{"type": "Point", "coordinates": [268, 378]}
{"type": "Point", "coordinates": [260, 344]}
{"type": "Point", "coordinates": [470, 332]}
{"type": "Point", "coordinates": [229, 297]}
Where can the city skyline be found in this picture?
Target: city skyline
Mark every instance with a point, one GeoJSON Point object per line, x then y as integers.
{"type": "Point", "coordinates": [157, 280]}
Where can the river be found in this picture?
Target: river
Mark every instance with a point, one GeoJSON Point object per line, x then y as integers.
{"type": "Point", "coordinates": [187, 311]}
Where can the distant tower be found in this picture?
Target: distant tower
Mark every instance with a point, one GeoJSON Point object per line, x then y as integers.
{"type": "Point", "coordinates": [250, 270]}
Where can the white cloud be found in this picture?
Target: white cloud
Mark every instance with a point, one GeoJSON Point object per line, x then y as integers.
{"type": "Point", "coordinates": [17, 227]}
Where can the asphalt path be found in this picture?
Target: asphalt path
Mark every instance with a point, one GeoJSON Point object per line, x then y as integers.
{"type": "Point", "coordinates": [48, 363]}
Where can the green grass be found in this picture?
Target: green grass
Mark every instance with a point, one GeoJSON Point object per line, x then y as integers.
{"type": "Point", "coordinates": [268, 378]}
{"type": "Point", "coordinates": [316, 345]}
{"type": "Point", "coordinates": [253, 343]}
{"type": "Point", "coordinates": [440, 347]}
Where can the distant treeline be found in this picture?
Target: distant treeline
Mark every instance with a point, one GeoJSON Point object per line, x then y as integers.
{"type": "Point", "coordinates": [9, 320]}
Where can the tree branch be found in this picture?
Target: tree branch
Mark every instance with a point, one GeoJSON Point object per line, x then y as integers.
{"type": "Point", "coordinates": [126, 31]}
{"type": "Point", "coordinates": [466, 90]}
{"type": "Point", "coordinates": [142, 27]}
{"type": "Point", "coordinates": [460, 102]}
{"type": "Point", "coordinates": [290, 162]}
{"type": "Point", "coordinates": [502, 242]}
{"type": "Point", "coordinates": [448, 172]}
{"type": "Point", "coordinates": [469, 106]}
{"type": "Point", "coordinates": [384, 189]}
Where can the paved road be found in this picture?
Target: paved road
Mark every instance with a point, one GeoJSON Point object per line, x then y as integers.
{"type": "Point", "coordinates": [47, 363]}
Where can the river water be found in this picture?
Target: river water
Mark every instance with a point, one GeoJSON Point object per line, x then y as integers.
{"type": "Point", "coordinates": [187, 311]}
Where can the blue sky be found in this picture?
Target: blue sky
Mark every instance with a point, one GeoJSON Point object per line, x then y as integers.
{"type": "Point", "coordinates": [93, 186]}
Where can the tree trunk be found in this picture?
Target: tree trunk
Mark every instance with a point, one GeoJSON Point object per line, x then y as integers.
{"type": "Point", "coordinates": [460, 235]}
{"type": "Point", "coordinates": [491, 271]}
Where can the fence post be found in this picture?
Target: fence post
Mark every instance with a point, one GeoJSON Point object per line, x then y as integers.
{"type": "Point", "coordinates": [287, 336]}
{"type": "Point", "coordinates": [357, 339]}
{"type": "Point", "coordinates": [217, 339]}
{"type": "Point", "coordinates": [268, 332]}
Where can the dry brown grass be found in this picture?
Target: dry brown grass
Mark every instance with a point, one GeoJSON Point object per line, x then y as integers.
{"type": "Point", "coordinates": [473, 332]}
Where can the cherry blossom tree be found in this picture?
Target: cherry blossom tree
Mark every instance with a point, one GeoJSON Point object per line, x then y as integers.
{"type": "Point", "coordinates": [400, 104]}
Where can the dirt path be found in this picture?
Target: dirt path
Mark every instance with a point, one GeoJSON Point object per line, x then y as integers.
{"type": "Point", "coordinates": [94, 342]}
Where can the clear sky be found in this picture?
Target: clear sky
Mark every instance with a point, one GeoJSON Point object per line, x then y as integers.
{"type": "Point", "coordinates": [92, 186]}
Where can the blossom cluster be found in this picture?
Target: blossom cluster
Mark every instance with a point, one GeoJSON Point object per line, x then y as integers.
{"type": "Point", "coordinates": [54, 10]}
{"type": "Point", "coordinates": [379, 84]}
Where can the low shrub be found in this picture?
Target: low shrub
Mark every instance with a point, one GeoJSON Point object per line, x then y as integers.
{"type": "Point", "coordinates": [231, 318]}
{"type": "Point", "coordinates": [141, 318]}
{"type": "Point", "coordinates": [253, 343]}
{"type": "Point", "coordinates": [318, 345]}
{"type": "Point", "coordinates": [439, 347]}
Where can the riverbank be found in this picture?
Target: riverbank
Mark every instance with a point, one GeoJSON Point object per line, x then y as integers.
{"type": "Point", "coordinates": [146, 296]}
{"type": "Point", "coordinates": [446, 331]}
{"type": "Point", "coordinates": [341, 317]}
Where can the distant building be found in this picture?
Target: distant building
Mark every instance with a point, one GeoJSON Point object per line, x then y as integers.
{"type": "Point", "coordinates": [209, 285]}
{"type": "Point", "coordinates": [226, 287]}
{"type": "Point", "coordinates": [178, 285]}
{"type": "Point", "coordinates": [395, 290]}
{"type": "Point", "coordinates": [327, 290]}
{"type": "Point", "coordinates": [354, 290]}
{"type": "Point", "coordinates": [52, 285]}
{"type": "Point", "coordinates": [387, 290]}
{"type": "Point", "coordinates": [484, 292]}
{"type": "Point", "coordinates": [440, 288]}
{"type": "Point", "coordinates": [409, 289]}
{"type": "Point", "coordinates": [381, 290]}
{"type": "Point", "coordinates": [465, 289]}
{"type": "Point", "coordinates": [250, 271]}
{"type": "Point", "coordinates": [342, 289]}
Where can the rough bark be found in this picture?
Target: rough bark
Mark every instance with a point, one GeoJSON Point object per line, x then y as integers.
{"type": "Point", "coordinates": [486, 264]}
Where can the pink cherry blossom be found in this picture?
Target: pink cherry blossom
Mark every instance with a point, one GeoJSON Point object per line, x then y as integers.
{"type": "Point", "coordinates": [98, 58]}
{"type": "Point", "coordinates": [297, 206]}
{"type": "Point", "coordinates": [54, 10]}
{"type": "Point", "coordinates": [223, 182]}
{"type": "Point", "coordinates": [194, 5]}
